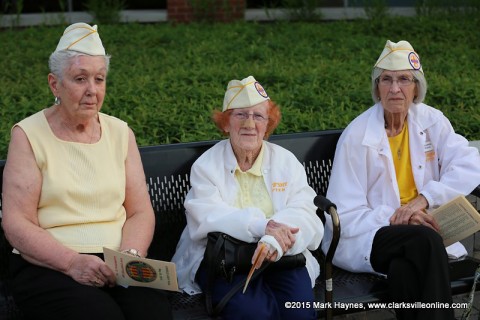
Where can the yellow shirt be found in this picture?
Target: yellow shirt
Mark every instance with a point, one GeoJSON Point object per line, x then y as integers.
{"type": "Point", "coordinates": [253, 191]}
{"type": "Point", "coordinates": [403, 167]}
{"type": "Point", "coordinates": [83, 185]}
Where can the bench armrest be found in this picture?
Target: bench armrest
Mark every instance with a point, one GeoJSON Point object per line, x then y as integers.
{"type": "Point", "coordinates": [476, 192]}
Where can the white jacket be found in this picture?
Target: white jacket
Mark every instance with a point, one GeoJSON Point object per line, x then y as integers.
{"type": "Point", "coordinates": [363, 183]}
{"type": "Point", "coordinates": [209, 207]}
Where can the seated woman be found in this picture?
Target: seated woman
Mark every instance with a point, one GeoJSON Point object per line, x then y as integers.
{"type": "Point", "coordinates": [73, 184]}
{"type": "Point", "coordinates": [254, 191]}
{"type": "Point", "coordinates": [392, 163]}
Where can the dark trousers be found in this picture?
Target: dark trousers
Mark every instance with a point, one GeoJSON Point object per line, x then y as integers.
{"type": "Point", "coordinates": [269, 296]}
{"type": "Point", "coordinates": [416, 264]}
{"type": "Point", "coordinates": [42, 293]}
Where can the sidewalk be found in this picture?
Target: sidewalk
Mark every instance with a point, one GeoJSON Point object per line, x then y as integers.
{"type": "Point", "coordinates": [155, 16]}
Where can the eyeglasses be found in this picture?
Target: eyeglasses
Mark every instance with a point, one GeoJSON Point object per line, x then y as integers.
{"type": "Point", "coordinates": [402, 81]}
{"type": "Point", "coordinates": [243, 116]}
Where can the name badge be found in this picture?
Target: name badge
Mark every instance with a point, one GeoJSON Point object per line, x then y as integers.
{"type": "Point", "coordinates": [279, 186]}
{"type": "Point", "coordinates": [429, 151]}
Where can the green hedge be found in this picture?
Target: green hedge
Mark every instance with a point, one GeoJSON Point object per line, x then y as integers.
{"type": "Point", "coordinates": [165, 79]}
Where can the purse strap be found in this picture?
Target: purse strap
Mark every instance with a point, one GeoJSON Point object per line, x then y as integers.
{"type": "Point", "coordinates": [211, 275]}
{"type": "Point", "coordinates": [219, 307]}
{"type": "Point", "coordinates": [211, 280]}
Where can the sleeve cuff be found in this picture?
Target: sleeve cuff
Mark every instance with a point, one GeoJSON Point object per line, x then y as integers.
{"type": "Point", "coordinates": [270, 240]}
{"type": "Point", "coordinates": [428, 198]}
{"type": "Point", "coordinates": [257, 227]}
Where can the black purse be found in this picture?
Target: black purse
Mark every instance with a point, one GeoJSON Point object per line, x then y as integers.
{"type": "Point", "coordinates": [226, 256]}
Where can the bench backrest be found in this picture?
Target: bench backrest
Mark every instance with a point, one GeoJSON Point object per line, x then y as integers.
{"type": "Point", "coordinates": [167, 170]}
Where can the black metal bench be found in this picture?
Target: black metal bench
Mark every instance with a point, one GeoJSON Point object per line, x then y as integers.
{"type": "Point", "coordinates": [167, 169]}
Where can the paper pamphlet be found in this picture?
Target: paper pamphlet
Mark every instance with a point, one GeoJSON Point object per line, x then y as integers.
{"type": "Point", "coordinates": [141, 272]}
{"type": "Point", "coordinates": [458, 219]}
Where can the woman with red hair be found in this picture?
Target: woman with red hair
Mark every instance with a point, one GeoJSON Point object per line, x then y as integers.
{"type": "Point", "coordinates": [257, 192]}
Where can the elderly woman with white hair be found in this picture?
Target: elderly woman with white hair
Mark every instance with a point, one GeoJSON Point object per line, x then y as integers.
{"type": "Point", "coordinates": [73, 184]}
{"type": "Point", "coordinates": [393, 162]}
{"type": "Point", "coordinates": [256, 192]}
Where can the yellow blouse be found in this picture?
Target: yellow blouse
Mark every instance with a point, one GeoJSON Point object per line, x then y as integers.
{"type": "Point", "coordinates": [399, 146]}
{"type": "Point", "coordinates": [253, 191]}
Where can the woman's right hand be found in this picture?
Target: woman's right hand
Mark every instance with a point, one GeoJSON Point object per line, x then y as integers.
{"type": "Point", "coordinates": [284, 234]}
{"type": "Point", "coordinates": [90, 270]}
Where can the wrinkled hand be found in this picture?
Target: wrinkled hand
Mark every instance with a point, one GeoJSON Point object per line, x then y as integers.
{"type": "Point", "coordinates": [414, 213]}
{"type": "Point", "coordinates": [423, 218]}
{"type": "Point", "coordinates": [284, 234]}
{"type": "Point", "coordinates": [90, 270]}
{"type": "Point", "coordinates": [264, 252]}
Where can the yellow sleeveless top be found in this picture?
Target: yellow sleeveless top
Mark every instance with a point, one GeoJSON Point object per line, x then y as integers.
{"type": "Point", "coordinates": [83, 185]}
{"type": "Point", "coordinates": [403, 167]}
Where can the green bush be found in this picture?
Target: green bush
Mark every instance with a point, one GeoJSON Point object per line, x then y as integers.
{"type": "Point", "coordinates": [105, 11]}
{"type": "Point", "coordinates": [165, 80]}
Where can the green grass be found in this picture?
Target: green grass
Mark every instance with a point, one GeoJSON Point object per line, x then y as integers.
{"type": "Point", "coordinates": [166, 79]}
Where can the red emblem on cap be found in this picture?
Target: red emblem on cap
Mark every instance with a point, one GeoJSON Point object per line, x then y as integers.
{"type": "Point", "coordinates": [260, 90]}
{"type": "Point", "coordinates": [414, 61]}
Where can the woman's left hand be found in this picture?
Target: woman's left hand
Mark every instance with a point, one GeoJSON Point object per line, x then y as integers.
{"type": "Point", "coordinates": [284, 234]}
{"type": "Point", "coordinates": [423, 218]}
{"type": "Point", "coordinates": [414, 213]}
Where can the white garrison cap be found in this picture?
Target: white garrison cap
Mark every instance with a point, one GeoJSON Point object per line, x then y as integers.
{"type": "Point", "coordinates": [399, 56]}
{"type": "Point", "coordinates": [244, 94]}
{"type": "Point", "coordinates": [83, 38]}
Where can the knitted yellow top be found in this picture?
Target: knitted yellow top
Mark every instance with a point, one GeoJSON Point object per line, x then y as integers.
{"type": "Point", "coordinates": [83, 185]}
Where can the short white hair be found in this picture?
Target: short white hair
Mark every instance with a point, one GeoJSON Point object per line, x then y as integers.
{"type": "Point", "coordinates": [59, 60]}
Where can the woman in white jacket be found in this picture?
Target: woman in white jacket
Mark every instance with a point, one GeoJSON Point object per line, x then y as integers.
{"type": "Point", "coordinates": [392, 163]}
{"type": "Point", "coordinates": [254, 191]}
